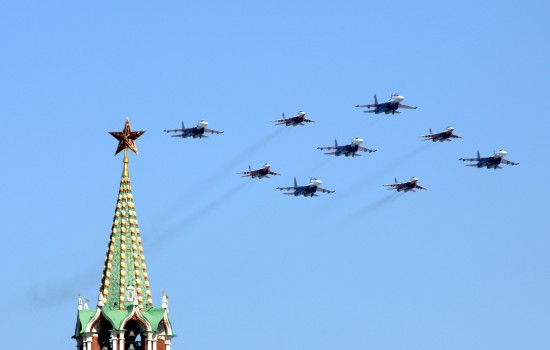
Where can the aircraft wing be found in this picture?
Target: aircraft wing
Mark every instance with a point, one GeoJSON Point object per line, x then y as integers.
{"type": "Point", "coordinates": [420, 187]}
{"type": "Point", "coordinates": [213, 131]}
{"type": "Point", "coordinates": [471, 159]}
{"type": "Point", "coordinates": [175, 130]}
{"type": "Point", "coordinates": [309, 120]}
{"type": "Point", "coordinates": [455, 136]}
{"type": "Point", "coordinates": [179, 135]}
{"type": "Point", "coordinates": [368, 106]}
{"type": "Point", "coordinates": [508, 162]}
{"type": "Point", "coordinates": [394, 185]}
{"type": "Point", "coordinates": [280, 121]}
{"type": "Point", "coordinates": [247, 173]}
{"type": "Point", "coordinates": [320, 189]}
{"type": "Point", "coordinates": [407, 107]}
{"type": "Point", "coordinates": [430, 136]}
{"type": "Point", "coordinates": [273, 173]}
{"type": "Point", "coordinates": [327, 148]}
{"type": "Point", "coordinates": [366, 149]}
{"type": "Point", "coordinates": [289, 188]}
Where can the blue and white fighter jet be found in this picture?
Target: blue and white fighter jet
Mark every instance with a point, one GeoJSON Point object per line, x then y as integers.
{"type": "Point", "coordinates": [347, 150]}
{"type": "Point", "coordinates": [387, 107]}
{"type": "Point", "coordinates": [492, 162]}
{"type": "Point", "coordinates": [194, 132]}
{"type": "Point", "coordinates": [308, 190]}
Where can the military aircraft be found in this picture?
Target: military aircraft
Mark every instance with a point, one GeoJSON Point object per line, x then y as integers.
{"type": "Point", "coordinates": [387, 107]}
{"type": "Point", "coordinates": [194, 132]}
{"type": "Point", "coordinates": [490, 162]}
{"type": "Point", "coordinates": [408, 186]}
{"type": "Point", "coordinates": [259, 173]}
{"type": "Point", "coordinates": [444, 135]}
{"type": "Point", "coordinates": [298, 119]}
{"type": "Point", "coordinates": [307, 190]}
{"type": "Point", "coordinates": [347, 150]}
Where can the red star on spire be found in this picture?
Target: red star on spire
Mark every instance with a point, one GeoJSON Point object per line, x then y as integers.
{"type": "Point", "coordinates": [126, 138]}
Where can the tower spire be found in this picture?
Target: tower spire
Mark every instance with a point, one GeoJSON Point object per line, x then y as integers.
{"type": "Point", "coordinates": [124, 308]}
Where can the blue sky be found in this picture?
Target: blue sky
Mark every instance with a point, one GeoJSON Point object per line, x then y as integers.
{"type": "Point", "coordinates": [463, 265]}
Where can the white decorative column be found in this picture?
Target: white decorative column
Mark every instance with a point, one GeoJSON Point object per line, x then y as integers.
{"type": "Point", "coordinates": [168, 342]}
{"type": "Point", "coordinates": [87, 341]}
{"type": "Point", "coordinates": [121, 340]}
{"type": "Point", "coordinates": [155, 339]}
{"type": "Point", "coordinates": [114, 335]}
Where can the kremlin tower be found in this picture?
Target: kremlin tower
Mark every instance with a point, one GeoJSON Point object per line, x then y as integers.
{"type": "Point", "coordinates": [124, 317]}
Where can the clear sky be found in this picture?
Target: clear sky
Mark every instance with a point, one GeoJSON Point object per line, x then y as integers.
{"type": "Point", "coordinates": [463, 265]}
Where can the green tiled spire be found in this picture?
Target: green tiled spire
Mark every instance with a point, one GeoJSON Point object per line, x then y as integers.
{"type": "Point", "coordinates": [125, 278]}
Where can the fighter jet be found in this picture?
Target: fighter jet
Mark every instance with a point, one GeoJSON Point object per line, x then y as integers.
{"type": "Point", "coordinates": [408, 186]}
{"type": "Point", "coordinates": [307, 190]}
{"type": "Point", "coordinates": [347, 150]}
{"type": "Point", "coordinates": [259, 173]}
{"type": "Point", "coordinates": [298, 119]}
{"type": "Point", "coordinates": [444, 135]}
{"type": "Point", "coordinates": [194, 132]}
{"type": "Point", "coordinates": [387, 107]}
{"type": "Point", "coordinates": [490, 162]}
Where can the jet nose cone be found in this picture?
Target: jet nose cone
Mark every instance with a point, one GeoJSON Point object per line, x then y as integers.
{"type": "Point", "coordinates": [398, 97]}
{"type": "Point", "coordinates": [301, 113]}
{"type": "Point", "coordinates": [203, 123]}
{"type": "Point", "coordinates": [414, 178]}
{"type": "Point", "coordinates": [267, 165]}
{"type": "Point", "coordinates": [450, 128]}
{"type": "Point", "coordinates": [358, 141]}
{"type": "Point", "coordinates": [502, 153]}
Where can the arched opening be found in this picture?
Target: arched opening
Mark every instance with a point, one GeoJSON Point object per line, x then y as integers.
{"type": "Point", "coordinates": [133, 335]}
{"type": "Point", "coordinates": [103, 330]}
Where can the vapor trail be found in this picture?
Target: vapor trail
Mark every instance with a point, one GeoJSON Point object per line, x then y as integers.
{"type": "Point", "coordinates": [189, 196]}
{"type": "Point", "coordinates": [199, 215]}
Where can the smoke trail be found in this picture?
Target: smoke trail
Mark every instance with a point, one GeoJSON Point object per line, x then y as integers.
{"type": "Point", "coordinates": [50, 292]}
{"type": "Point", "coordinates": [372, 207]}
{"type": "Point", "coordinates": [196, 217]}
{"type": "Point", "coordinates": [191, 195]}
{"type": "Point", "coordinates": [398, 161]}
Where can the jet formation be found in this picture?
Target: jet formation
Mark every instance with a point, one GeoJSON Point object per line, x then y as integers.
{"type": "Point", "coordinates": [349, 150]}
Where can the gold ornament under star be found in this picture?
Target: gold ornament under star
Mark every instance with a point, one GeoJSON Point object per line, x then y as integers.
{"type": "Point", "coordinates": [126, 138]}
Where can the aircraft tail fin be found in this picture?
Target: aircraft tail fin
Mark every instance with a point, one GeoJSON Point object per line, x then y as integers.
{"type": "Point", "coordinates": [478, 157]}
{"type": "Point", "coordinates": [431, 131]}
{"type": "Point", "coordinates": [395, 180]}
{"type": "Point", "coordinates": [295, 182]}
{"type": "Point", "coordinates": [182, 125]}
{"type": "Point", "coordinates": [375, 100]}
{"type": "Point", "coordinates": [249, 168]}
{"type": "Point", "coordinates": [335, 143]}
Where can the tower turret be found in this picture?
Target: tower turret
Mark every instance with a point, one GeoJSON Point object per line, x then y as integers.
{"type": "Point", "coordinates": [124, 317]}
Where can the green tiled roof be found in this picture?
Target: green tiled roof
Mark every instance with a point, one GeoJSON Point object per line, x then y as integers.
{"type": "Point", "coordinates": [125, 261]}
